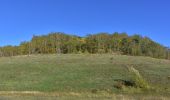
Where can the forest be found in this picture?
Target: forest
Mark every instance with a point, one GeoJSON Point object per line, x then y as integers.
{"type": "Point", "coordinates": [100, 43]}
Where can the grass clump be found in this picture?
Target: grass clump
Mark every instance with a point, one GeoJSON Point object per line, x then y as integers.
{"type": "Point", "coordinates": [139, 81]}
{"type": "Point", "coordinates": [135, 84]}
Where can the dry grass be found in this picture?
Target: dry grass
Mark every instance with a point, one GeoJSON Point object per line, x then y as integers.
{"type": "Point", "coordinates": [140, 82]}
{"type": "Point", "coordinates": [35, 95]}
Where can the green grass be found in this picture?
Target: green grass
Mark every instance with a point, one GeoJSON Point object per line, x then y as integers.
{"type": "Point", "coordinates": [79, 73]}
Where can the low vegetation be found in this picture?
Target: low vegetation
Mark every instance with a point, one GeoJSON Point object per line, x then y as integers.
{"type": "Point", "coordinates": [136, 81]}
{"type": "Point", "coordinates": [86, 76]}
{"type": "Point", "coordinates": [139, 81]}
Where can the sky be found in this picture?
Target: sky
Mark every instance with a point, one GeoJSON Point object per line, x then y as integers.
{"type": "Point", "coordinates": [21, 19]}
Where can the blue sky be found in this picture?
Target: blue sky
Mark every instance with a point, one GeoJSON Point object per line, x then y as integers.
{"type": "Point", "coordinates": [20, 19]}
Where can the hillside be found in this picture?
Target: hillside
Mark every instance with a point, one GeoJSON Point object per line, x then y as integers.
{"type": "Point", "coordinates": [81, 73]}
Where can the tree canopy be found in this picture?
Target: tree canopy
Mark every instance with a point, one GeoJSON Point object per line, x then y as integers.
{"type": "Point", "coordinates": [62, 43]}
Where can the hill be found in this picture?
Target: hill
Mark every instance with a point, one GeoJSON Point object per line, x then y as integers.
{"type": "Point", "coordinates": [82, 73]}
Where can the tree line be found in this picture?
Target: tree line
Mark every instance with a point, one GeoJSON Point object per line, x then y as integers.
{"type": "Point", "coordinates": [61, 43]}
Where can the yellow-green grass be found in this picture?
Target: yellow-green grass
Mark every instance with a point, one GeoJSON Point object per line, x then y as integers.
{"type": "Point", "coordinates": [81, 73]}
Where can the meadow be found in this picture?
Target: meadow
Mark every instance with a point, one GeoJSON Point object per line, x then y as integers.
{"type": "Point", "coordinates": [81, 77]}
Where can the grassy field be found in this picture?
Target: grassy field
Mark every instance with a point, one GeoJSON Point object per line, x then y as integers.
{"type": "Point", "coordinates": [80, 76]}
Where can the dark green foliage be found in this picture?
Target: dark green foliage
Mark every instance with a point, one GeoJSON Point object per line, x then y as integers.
{"type": "Point", "coordinates": [135, 45]}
